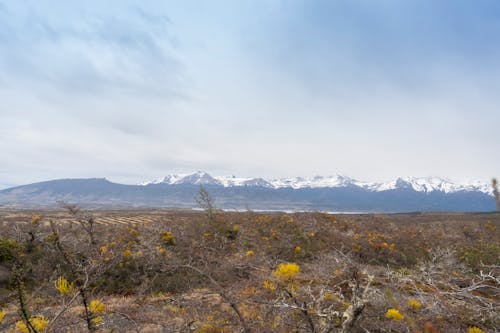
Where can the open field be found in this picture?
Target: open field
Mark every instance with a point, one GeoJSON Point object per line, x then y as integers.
{"type": "Point", "coordinates": [212, 271]}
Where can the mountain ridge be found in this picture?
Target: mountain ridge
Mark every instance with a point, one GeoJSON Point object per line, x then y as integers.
{"type": "Point", "coordinates": [419, 184]}
{"type": "Point", "coordinates": [334, 194]}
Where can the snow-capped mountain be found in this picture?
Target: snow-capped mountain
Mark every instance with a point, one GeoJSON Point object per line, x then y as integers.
{"type": "Point", "coordinates": [431, 184]}
{"type": "Point", "coordinates": [197, 178]}
{"type": "Point", "coordinates": [424, 184]}
{"type": "Point", "coordinates": [333, 193]}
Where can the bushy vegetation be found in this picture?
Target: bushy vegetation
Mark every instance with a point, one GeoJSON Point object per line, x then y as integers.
{"type": "Point", "coordinates": [250, 272]}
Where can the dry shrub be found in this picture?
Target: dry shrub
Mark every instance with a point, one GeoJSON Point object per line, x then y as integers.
{"type": "Point", "coordinates": [189, 271]}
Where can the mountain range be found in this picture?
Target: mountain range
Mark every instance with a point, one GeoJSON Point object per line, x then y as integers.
{"type": "Point", "coordinates": [333, 193]}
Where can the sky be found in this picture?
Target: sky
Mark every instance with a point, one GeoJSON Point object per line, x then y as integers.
{"type": "Point", "coordinates": [136, 90]}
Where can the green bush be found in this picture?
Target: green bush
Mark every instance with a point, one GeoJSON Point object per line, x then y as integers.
{"type": "Point", "coordinates": [9, 249]}
{"type": "Point", "coordinates": [481, 253]}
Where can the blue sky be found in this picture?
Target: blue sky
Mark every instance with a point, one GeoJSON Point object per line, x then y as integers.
{"type": "Point", "coordinates": [133, 90]}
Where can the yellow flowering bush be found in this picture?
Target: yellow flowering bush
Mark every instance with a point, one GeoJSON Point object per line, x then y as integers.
{"type": "Point", "coordinates": [414, 304]}
{"type": "Point", "coordinates": [161, 250]}
{"type": "Point", "coordinates": [103, 249]}
{"type": "Point", "coordinates": [38, 322]}
{"type": "Point", "coordinates": [2, 315]}
{"type": "Point", "coordinates": [21, 327]}
{"type": "Point", "coordinates": [97, 320]}
{"type": "Point", "coordinates": [127, 253]}
{"type": "Point", "coordinates": [298, 249]}
{"type": "Point", "coordinates": [287, 272]}
{"type": "Point", "coordinates": [474, 329]}
{"type": "Point", "coordinates": [269, 285]}
{"type": "Point", "coordinates": [96, 307]}
{"type": "Point", "coordinates": [168, 238]}
{"type": "Point", "coordinates": [249, 253]}
{"type": "Point", "coordinates": [394, 314]}
{"type": "Point", "coordinates": [133, 231]}
{"type": "Point", "coordinates": [64, 286]}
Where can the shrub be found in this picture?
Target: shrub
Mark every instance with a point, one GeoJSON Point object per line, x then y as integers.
{"type": "Point", "coordinates": [414, 304]}
{"type": "Point", "coordinates": [9, 249]}
{"type": "Point", "coordinates": [482, 253]}
{"type": "Point", "coordinates": [63, 286]}
{"type": "Point", "coordinates": [286, 272]}
{"type": "Point", "coordinates": [394, 314]}
{"type": "Point", "coordinates": [38, 322]}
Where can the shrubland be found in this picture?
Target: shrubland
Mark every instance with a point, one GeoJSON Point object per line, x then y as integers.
{"type": "Point", "coordinates": [214, 271]}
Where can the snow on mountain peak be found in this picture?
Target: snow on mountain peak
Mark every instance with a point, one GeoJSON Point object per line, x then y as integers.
{"type": "Point", "coordinates": [243, 181]}
{"type": "Point", "coordinates": [197, 178]}
{"type": "Point", "coordinates": [422, 184]}
{"type": "Point", "coordinates": [314, 182]}
{"type": "Point", "coordinates": [430, 184]}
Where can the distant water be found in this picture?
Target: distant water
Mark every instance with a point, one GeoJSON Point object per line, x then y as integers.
{"type": "Point", "coordinates": [288, 211]}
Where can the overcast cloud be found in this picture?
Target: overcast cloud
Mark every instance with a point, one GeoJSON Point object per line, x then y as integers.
{"type": "Point", "coordinates": [134, 90]}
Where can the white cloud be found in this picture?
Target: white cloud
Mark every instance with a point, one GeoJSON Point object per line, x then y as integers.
{"type": "Point", "coordinates": [133, 91]}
